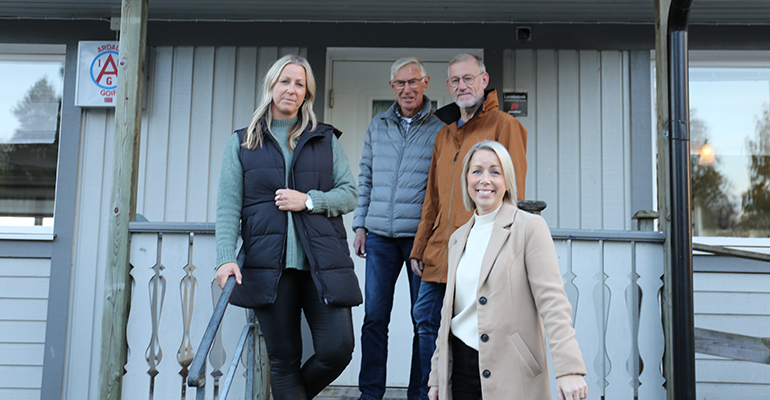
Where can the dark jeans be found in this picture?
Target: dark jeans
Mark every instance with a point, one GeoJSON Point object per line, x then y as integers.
{"type": "Point", "coordinates": [466, 384]}
{"type": "Point", "coordinates": [332, 329]}
{"type": "Point", "coordinates": [385, 257]}
{"type": "Point", "coordinates": [427, 313]}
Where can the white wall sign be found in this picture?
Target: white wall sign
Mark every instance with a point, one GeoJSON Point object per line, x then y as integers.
{"type": "Point", "coordinates": [97, 78]}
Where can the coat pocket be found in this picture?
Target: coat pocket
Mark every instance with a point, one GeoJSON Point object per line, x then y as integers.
{"type": "Point", "coordinates": [526, 354]}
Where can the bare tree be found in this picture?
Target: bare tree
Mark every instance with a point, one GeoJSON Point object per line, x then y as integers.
{"type": "Point", "coordinates": [756, 200]}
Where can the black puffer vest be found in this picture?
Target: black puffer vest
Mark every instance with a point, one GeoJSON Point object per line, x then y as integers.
{"type": "Point", "coordinates": [264, 226]}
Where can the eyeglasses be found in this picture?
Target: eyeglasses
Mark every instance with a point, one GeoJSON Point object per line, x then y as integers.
{"type": "Point", "coordinates": [455, 82]}
{"type": "Point", "coordinates": [413, 83]}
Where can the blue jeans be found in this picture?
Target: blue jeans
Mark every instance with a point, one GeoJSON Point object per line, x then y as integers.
{"type": "Point", "coordinates": [385, 257]}
{"type": "Point", "coordinates": [427, 313]}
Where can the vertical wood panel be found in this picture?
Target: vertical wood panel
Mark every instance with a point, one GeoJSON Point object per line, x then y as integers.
{"type": "Point", "coordinates": [221, 119]}
{"type": "Point", "coordinates": [598, 189]}
{"type": "Point", "coordinates": [179, 135]}
{"type": "Point", "coordinates": [569, 139]}
{"type": "Point", "coordinates": [266, 57]}
{"type": "Point", "coordinates": [590, 142]}
{"type": "Point", "coordinates": [627, 176]}
{"type": "Point", "coordinates": [198, 184]}
{"type": "Point", "coordinates": [245, 84]}
{"type": "Point", "coordinates": [284, 51]}
{"type": "Point", "coordinates": [509, 72]}
{"type": "Point", "coordinates": [547, 139]}
{"type": "Point", "coordinates": [157, 134]}
{"type": "Point", "coordinates": [525, 79]}
{"type": "Point", "coordinates": [86, 278]}
{"type": "Point", "coordinates": [613, 163]}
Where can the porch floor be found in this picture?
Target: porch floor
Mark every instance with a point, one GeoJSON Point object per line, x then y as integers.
{"type": "Point", "coordinates": [352, 393]}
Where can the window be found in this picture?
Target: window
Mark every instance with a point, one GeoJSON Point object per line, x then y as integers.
{"type": "Point", "coordinates": [30, 108]}
{"type": "Point", "coordinates": [730, 148]}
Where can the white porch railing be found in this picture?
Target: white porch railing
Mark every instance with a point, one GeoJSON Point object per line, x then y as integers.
{"type": "Point", "coordinates": [612, 278]}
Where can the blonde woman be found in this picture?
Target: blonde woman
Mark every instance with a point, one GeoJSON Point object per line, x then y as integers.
{"type": "Point", "coordinates": [503, 286]}
{"type": "Point", "coordinates": [286, 182]}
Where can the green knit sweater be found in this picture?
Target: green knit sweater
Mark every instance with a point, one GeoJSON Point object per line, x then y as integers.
{"type": "Point", "coordinates": [340, 200]}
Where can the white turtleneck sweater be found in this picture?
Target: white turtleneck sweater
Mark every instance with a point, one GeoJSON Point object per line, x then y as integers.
{"type": "Point", "coordinates": [465, 323]}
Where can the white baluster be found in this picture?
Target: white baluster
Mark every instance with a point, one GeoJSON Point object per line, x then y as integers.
{"type": "Point", "coordinates": [174, 258]}
{"type": "Point", "coordinates": [649, 264]}
{"type": "Point", "coordinates": [144, 250]}
{"type": "Point", "coordinates": [619, 338]}
{"type": "Point", "coordinates": [204, 257]}
{"type": "Point", "coordinates": [589, 321]}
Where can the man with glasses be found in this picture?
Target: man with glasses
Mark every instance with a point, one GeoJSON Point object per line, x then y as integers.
{"type": "Point", "coordinates": [394, 170]}
{"type": "Point", "coordinates": [474, 116]}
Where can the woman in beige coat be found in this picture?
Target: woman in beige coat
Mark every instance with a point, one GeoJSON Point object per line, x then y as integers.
{"type": "Point", "coordinates": [503, 287]}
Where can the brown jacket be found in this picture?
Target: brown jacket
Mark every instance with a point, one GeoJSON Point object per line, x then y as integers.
{"type": "Point", "coordinates": [520, 290]}
{"type": "Point", "coordinates": [443, 210]}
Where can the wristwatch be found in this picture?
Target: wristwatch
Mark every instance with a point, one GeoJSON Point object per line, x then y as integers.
{"type": "Point", "coordinates": [309, 203]}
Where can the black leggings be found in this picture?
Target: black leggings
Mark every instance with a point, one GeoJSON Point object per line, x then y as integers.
{"type": "Point", "coordinates": [332, 330]}
{"type": "Point", "coordinates": [466, 384]}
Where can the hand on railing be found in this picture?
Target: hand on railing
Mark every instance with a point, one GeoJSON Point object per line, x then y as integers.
{"type": "Point", "coordinates": [226, 270]}
{"type": "Point", "coordinates": [197, 375]}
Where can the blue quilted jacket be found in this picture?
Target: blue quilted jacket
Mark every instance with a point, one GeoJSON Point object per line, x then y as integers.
{"type": "Point", "coordinates": [394, 173]}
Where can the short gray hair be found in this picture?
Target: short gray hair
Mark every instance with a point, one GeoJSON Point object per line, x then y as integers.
{"type": "Point", "coordinates": [505, 163]}
{"type": "Point", "coordinates": [467, 56]}
{"type": "Point", "coordinates": [403, 62]}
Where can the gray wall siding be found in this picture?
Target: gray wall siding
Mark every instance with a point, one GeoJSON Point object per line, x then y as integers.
{"type": "Point", "coordinates": [23, 307]}
{"type": "Point", "coordinates": [735, 303]}
{"type": "Point", "coordinates": [578, 125]}
{"type": "Point", "coordinates": [196, 98]}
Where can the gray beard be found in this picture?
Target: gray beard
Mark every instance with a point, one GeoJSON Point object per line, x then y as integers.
{"type": "Point", "coordinates": [472, 109]}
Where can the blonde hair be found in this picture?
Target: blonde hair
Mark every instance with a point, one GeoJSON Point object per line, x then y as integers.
{"type": "Point", "coordinates": [506, 164]}
{"type": "Point", "coordinates": [263, 116]}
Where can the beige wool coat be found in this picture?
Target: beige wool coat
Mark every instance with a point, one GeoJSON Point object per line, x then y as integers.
{"type": "Point", "coordinates": [520, 291]}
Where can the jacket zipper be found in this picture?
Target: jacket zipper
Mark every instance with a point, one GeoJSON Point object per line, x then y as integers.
{"type": "Point", "coordinates": [309, 254]}
{"type": "Point", "coordinates": [449, 211]}
{"type": "Point", "coordinates": [283, 244]}
{"type": "Point", "coordinates": [397, 174]}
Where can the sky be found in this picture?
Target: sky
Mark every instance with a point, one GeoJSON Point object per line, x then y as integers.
{"type": "Point", "coordinates": [730, 101]}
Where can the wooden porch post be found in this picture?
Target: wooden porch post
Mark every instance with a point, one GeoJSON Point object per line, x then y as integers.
{"type": "Point", "coordinates": [128, 114]}
{"type": "Point", "coordinates": [662, 111]}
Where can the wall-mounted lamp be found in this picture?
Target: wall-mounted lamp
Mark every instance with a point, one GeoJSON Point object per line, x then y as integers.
{"type": "Point", "coordinates": [707, 155]}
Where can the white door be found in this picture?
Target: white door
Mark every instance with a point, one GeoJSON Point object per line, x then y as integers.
{"type": "Point", "coordinates": [358, 81]}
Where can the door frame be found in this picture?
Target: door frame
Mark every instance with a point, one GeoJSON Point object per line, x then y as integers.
{"type": "Point", "coordinates": [383, 54]}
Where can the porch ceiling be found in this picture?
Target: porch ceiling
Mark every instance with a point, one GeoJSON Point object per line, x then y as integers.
{"type": "Point", "coordinates": [527, 11]}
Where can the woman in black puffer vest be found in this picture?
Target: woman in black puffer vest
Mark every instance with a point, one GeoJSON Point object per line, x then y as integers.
{"type": "Point", "coordinates": [286, 182]}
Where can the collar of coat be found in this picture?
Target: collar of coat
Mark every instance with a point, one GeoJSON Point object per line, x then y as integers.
{"type": "Point", "coordinates": [450, 113]}
{"type": "Point", "coordinates": [501, 230]}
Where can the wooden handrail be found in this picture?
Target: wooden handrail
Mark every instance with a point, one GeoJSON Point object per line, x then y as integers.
{"type": "Point", "coordinates": [725, 251]}
{"type": "Point", "coordinates": [733, 346]}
